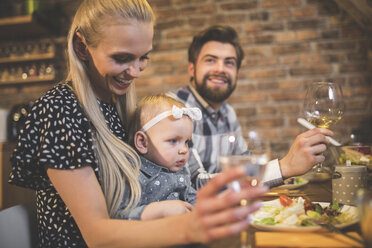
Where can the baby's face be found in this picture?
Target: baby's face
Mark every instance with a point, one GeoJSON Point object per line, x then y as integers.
{"type": "Point", "coordinates": [169, 142]}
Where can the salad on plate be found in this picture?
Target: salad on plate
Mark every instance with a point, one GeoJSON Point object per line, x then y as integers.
{"type": "Point", "coordinates": [294, 182]}
{"type": "Point", "coordinates": [298, 213]}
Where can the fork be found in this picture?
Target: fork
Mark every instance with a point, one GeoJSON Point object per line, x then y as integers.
{"type": "Point", "coordinates": [334, 229]}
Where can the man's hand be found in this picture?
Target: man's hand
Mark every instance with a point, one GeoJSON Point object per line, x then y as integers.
{"type": "Point", "coordinates": [305, 152]}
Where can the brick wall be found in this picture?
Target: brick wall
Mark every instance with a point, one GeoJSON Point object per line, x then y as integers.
{"type": "Point", "coordinates": [288, 44]}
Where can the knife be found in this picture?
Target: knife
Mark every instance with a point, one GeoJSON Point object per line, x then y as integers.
{"type": "Point", "coordinates": [308, 125]}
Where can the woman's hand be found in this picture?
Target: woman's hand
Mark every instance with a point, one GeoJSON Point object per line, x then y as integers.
{"type": "Point", "coordinates": [162, 209]}
{"type": "Point", "coordinates": [305, 151]}
{"type": "Point", "coordinates": [217, 215]}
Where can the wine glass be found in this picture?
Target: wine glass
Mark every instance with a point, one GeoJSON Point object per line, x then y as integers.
{"type": "Point", "coordinates": [323, 107]}
{"type": "Point", "coordinates": [254, 159]}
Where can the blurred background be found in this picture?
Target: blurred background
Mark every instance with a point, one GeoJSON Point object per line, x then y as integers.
{"type": "Point", "coordinates": [288, 44]}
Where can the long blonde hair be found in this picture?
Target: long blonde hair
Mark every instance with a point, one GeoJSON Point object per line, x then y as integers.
{"type": "Point", "coordinates": [118, 162]}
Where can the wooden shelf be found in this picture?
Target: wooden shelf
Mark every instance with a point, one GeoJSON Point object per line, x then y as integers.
{"type": "Point", "coordinates": [33, 57]}
{"type": "Point", "coordinates": [29, 80]}
{"type": "Point", "coordinates": [22, 26]}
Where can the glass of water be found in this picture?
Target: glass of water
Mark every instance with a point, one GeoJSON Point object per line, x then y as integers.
{"type": "Point", "coordinates": [254, 159]}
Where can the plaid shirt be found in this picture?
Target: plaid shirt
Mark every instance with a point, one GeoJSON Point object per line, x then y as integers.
{"type": "Point", "coordinates": [203, 161]}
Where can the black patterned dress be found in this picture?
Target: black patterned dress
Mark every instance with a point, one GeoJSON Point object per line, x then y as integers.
{"type": "Point", "coordinates": [57, 134]}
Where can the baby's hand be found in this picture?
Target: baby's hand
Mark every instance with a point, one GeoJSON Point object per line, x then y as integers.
{"type": "Point", "coordinates": [162, 209]}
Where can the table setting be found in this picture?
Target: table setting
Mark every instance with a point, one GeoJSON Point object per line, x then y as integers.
{"type": "Point", "coordinates": [330, 206]}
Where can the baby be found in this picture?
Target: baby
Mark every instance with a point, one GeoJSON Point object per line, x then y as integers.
{"type": "Point", "coordinates": [160, 131]}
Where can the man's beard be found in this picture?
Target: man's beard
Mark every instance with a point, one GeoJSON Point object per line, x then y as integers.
{"type": "Point", "coordinates": [214, 94]}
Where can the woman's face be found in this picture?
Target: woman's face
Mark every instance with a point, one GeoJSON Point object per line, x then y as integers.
{"type": "Point", "coordinates": [119, 57]}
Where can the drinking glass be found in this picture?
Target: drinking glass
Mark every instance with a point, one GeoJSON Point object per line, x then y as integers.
{"type": "Point", "coordinates": [255, 160]}
{"type": "Point", "coordinates": [364, 203]}
{"type": "Point", "coordinates": [323, 107]}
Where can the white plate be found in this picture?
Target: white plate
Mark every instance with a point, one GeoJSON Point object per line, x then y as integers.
{"type": "Point", "coordinates": [287, 228]}
{"type": "Point", "coordinates": [293, 186]}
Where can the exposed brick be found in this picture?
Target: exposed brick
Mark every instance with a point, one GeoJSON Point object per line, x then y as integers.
{"type": "Point", "coordinates": [165, 57]}
{"type": "Point", "coordinates": [353, 118]}
{"type": "Point", "coordinates": [288, 84]}
{"type": "Point", "coordinates": [327, 8]}
{"type": "Point", "coordinates": [288, 109]}
{"type": "Point", "coordinates": [250, 97]}
{"type": "Point", "coordinates": [330, 34]}
{"type": "Point", "coordinates": [287, 95]}
{"type": "Point", "coordinates": [265, 61]}
{"type": "Point", "coordinates": [145, 82]}
{"type": "Point", "coordinates": [352, 32]}
{"type": "Point", "coordinates": [357, 104]}
{"type": "Point", "coordinates": [311, 70]}
{"type": "Point", "coordinates": [183, 2]}
{"type": "Point", "coordinates": [270, 85]}
{"type": "Point", "coordinates": [263, 39]}
{"type": "Point", "coordinates": [306, 35]}
{"type": "Point", "coordinates": [310, 58]}
{"type": "Point", "coordinates": [233, 18]}
{"type": "Point", "coordinates": [290, 132]}
{"type": "Point", "coordinates": [255, 51]}
{"type": "Point", "coordinates": [165, 14]}
{"type": "Point", "coordinates": [305, 12]}
{"type": "Point", "coordinates": [244, 87]}
{"type": "Point", "coordinates": [279, 3]}
{"type": "Point", "coordinates": [267, 122]}
{"type": "Point", "coordinates": [155, 4]}
{"type": "Point", "coordinates": [247, 112]}
{"type": "Point", "coordinates": [179, 33]}
{"type": "Point", "coordinates": [292, 48]}
{"type": "Point", "coordinates": [285, 37]}
{"type": "Point", "coordinates": [357, 56]}
{"type": "Point", "coordinates": [259, 16]}
{"type": "Point", "coordinates": [292, 59]}
{"type": "Point", "coordinates": [266, 73]}
{"type": "Point", "coordinates": [265, 110]}
{"type": "Point", "coordinates": [239, 5]}
{"type": "Point", "coordinates": [336, 45]}
{"type": "Point", "coordinates": [305, 24]}
{"type": "Point", "coordinates": [255, 27]}
{"type": "Point", "coordinates": [364, 91]}
{"type": "Point", "coordinates": [333, 58]}
{"type": "Point", "coordinates": [174, 79]}
{"type": "Point", "coordinates": [360, 67]}
{"type": "Point", "coordinates": [203, 9]}
{"type": "Point", "coordinates": [162, 25]}
{"type": "Point", "coordinates": [280, 14]}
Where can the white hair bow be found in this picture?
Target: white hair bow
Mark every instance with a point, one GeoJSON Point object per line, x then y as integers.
{"type": "Point", "coordinates": [176, 112]}
{"type": "Point", "coordinates": [193, 113]}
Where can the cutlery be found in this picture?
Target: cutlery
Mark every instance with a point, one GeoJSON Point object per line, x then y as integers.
{"type": "Point", "coordinates": [330, 227]}
{"type": "Point", "coordinates": [308, 125]}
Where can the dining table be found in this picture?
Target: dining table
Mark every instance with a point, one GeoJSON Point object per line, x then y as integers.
{"type": "Point", "coordinates": [316, 191]}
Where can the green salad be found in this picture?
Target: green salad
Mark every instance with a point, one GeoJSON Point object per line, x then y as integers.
{"type": "Point", "coordinates": [298, 212]}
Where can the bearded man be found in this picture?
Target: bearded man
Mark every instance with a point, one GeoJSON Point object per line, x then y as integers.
{"type": "Point", "coordinates": [215, 57]}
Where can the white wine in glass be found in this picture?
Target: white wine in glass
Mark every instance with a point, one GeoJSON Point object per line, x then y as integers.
{"type": "Point", "coordinates": [254, 160]}
{"type": "Point", "coordinates": [323, 107]}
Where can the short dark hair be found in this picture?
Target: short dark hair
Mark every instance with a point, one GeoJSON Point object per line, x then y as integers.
{"type": "Point", "coordinates": [220, 33]}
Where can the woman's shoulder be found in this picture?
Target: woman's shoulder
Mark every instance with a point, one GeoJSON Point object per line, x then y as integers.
{"type": "Point", "coordinates": [58, 100]}
{"type": "Point", "coordinates": [59, 93]}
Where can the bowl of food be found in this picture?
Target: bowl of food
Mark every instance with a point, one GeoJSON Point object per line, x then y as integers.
{"type": "Point", "coordinates": [356, 155]}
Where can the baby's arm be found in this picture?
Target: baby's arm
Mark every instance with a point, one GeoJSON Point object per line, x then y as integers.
{"type": "Point", "coordinates": [156, 210]}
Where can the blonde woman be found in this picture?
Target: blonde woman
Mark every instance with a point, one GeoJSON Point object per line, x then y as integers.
{"type": "Point", "coordinates": [72, 149]}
